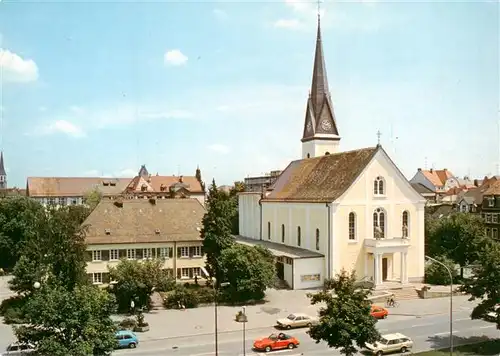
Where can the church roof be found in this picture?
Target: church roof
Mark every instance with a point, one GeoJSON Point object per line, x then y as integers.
{"type": "Point", "coordinates": [2, 167]}
{"type": "Point", "coordinates": [74, 186]}
{"type": "Point", "coordinates": [320, 179]}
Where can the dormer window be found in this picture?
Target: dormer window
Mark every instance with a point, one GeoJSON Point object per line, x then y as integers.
{"type": "Point", "coordinates": [144, 188]}
{"type": "Point", "coordinates": [105, 183]}
{"type": "Point", "coordinates": [157, 231]}
{"type": "Point", "coordinates": [107, 231]}
{"type": "Point", "coordinates": [379, 186]}
{"type": "Point", "coordinates": [113, 184]}
{"type": "Point", "coordinates": [491, 202]}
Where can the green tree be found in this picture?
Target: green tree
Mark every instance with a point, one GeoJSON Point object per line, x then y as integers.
{"type": "Point", "coordinates": [485, 282]}
{"type": "Point", "coordinates": [437, 274]}
{"type": "Point", "coordinates": [55, 245]}
{"type": "Point", "coordinates": [216, 231]}
{"type": "Point", "coordinates": [249, 270]}
{"type": "Point", "coordinates": [92, 198]}
{"type": "Point", "coordinates": [345, 321]}
{"type": "Point", "coordinates": [137, 281]}
{"type": "Point", "coordinates": [19, 218]}
{"type": "Point", "coordinates": [61, 322]}
{"type": "Point", "coordinates": [459, 237]}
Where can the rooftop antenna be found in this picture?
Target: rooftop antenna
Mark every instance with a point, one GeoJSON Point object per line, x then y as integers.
{"type": "Point", "coordinates": [425, 163]}
{"type": "Point", "coordinates": [378, 137]}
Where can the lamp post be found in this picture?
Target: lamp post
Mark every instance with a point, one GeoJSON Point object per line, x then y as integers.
{"type": "Point", "coordinates": [37, 285]}
{"type": "Point", "coordinates": [451, 299]}
{"type": "Point", "coordinates": [244, 330]}
{"type": "Point", "coordinates": [216, 293]}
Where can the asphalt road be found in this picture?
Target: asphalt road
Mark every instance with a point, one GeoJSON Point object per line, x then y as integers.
{"type": "Point", "coordinates": [427, 333]}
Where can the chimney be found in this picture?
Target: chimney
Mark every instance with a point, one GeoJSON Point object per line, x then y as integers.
{"type": "Point", "coordinates": [152, 200]}
{"type": "Point", "coordinates": [419, 169]}
{"type": "Point", "coordinates": [180, 179]}
{"type": "Point", "coordinates": [431, 170]}
{"type": "Point", "coordinates": [119, 202]}
{"type": "Point", "coordinates": [445, 169]}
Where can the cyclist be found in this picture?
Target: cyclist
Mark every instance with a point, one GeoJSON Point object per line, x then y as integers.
{"type": "Point", "coordinates": [391, 301]}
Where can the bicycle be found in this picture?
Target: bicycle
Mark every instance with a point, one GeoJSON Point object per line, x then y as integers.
{"type": "Point", "coordinates": [394, 304]}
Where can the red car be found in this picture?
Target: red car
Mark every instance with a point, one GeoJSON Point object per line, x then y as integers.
{"type": "Point", "coordinates": [276, 342]}
{"type": "Point", "coordinates": [379, 312]}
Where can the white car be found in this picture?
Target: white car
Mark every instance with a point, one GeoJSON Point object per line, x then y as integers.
{"type": "Point", "coordinates": [390, 343]}
{"type": "Point", "coordinates": [19, 349]}
{"type": "Point", "coordinates": [492, 315]}
{"type": "Point", "coordinates": [296, 320]}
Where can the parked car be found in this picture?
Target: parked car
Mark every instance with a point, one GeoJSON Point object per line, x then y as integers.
{"type": "Point", "coordinates": [126, 338]}
{"type": "Point", "coordinates": [390, 343]}
{"type": "Point", "coordinates": [296, 320]}
{"type": "Point", "coordinates": [276, 342]}
{"type": "Point", "coordinates": [378, 312]}
{"type": "Point", "coordinates": [18, 349]}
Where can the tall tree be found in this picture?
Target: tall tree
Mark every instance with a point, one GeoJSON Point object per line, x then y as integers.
{"type": "Point", "coordinates": [216, 231]}
{"type": "Point", "coordinates": [92, 198]}
{"type": "Point", "coordinates": [19, 219]}
{"type": "Point", "coordinates": [345, 321]}
{"type": "Point", "coordinates": [459, 237]}
{"type": "Point", "coordinates": [485, 282]}
{"type": "Point", "coordinates": [63, 322]}
{"type": "Point", "coordinates": [249, 271]}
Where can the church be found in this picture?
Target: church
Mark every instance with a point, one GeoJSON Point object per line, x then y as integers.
{"type": "Point", "coordinates": [334, 209]}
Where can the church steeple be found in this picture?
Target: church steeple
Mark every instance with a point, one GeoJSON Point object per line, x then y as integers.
{"type": "Point", "coordinates": [321, 135]}
{"type": "Point", "coordinates": [3, 174]}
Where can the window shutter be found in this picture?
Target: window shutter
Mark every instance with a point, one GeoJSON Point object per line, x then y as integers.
{"type": "Point", "coordinates": [105, 255]}
{"type": "Point", "coordinates": [178, 273]}
{"type": "Point", "coordinates": [170, 252]}
{"type": "Point", "coordinates": [191, 273]}
{"type": "Point", "coordinates": [138, 253]}
{"type": "Point", "coordinates": [122, 253]}
{"type": "Point", "coordinates": [88, 256]}
{"type": "Point", "coordinates": [89, 277]}
{"type": "Point", "coordinates": [191, 251]}
{"type": "Point", "coordinates": [178, 252]}
{"type": "Point", "coordinates": [105, 278]}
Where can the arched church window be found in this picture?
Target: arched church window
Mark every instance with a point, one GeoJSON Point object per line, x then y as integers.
{"type": "Point", "coordinates": [379, 223]}
{"type": "Point", "coordinates": [352, 226]}
{"type": "Point", "coordinates": [308, 155]}
{"type": "Point", "coordinates": [327, 153]}
{"type": "Point", "coordinates": [299, 236]}
{"type": "Point", "coordinates": [269, 230]}
{"type": "Point", "coordinates": [379, 186]}
{"type": "Point", "coordinates": [405, 220]}
{"type": "Point", "coordinates": [283, 233]}
{"type": "Point", "coordinates": [317, 239]}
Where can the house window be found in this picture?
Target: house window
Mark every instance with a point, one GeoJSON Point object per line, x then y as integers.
{"type": "Point", "coordinates": [269, 230]}
{"type": "Point", "coordinates": [61, 201]}
{"type": "Point", "coordinates": [74, 201]}
{"type": "Point", "coordinates": [184, 252]}
{"type": "Point", "coordinates": [51, 201]}
{"type": "Point", "coordinates": [96, 256]}
{"type": "Point", "coordinates": [491, 202]}
{"type": "Point", "coordinates": [299, 236]}
{"type": "Point", "coordinates": [488, 232]}
{"type": "Point", "coordinates": [463, 208]}
{"type": "Point", "coordinates": [283, 233]}
{"type": "Point", "coordinates": [196, 251]}
{"type": "Point", "coordinates": [494, 233]}
{"type": "Point", "coordinates": [131, 254]}
{"type": "Point", "coordinates": [405, 223]}
{"type": "Point", "coordinates": [97, 278]}
{"type": "Point", "coordinates": [379, 223]}
{"type": "Point", "coordinates": [147, 253]}
{"type": "Point", "coordinates": [488, 218]}
{"type": "Point", "coordinates": [494, 218]}
{"type": "Point", "coordinates": [352, 226]}
{"type": "Point", "coordinates": [317, 239]}
{"type": "Point", "coordinates": [163, 252]}
{"type": "Point", "coordinates": [185, 273]}
{"type": "Point", "coordinates": [378, 186]}
{"type": "Point", "coordinates": [196, 272]}
{"type": "Point", "coordinates": [114, 255]}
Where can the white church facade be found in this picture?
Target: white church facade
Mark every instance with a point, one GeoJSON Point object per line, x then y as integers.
{"type": "Point", "coordinates": [334, 210]}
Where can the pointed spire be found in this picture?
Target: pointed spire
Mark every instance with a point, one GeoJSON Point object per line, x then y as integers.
{"type": "Point", "coordinates": [320, 117]}
{"type": "Point", "coordinates": [2, 167]}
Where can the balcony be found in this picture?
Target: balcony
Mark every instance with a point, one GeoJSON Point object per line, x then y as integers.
{"type": "Point", "coordinates": [392, 244]}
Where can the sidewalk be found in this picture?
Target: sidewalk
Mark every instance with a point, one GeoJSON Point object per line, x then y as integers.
{"type": "Point", "coordinates": [166, 324]}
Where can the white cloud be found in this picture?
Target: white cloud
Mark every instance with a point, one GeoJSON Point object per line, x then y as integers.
{"type": "Point", "coordinates": [127, 172]}
{"type": "Point", "coordinates": [288, 23]}
{"type": "Point", "coordinates": [175, 57]}
{"type": "Point", "coordinates": [64, 127]}
{"type": "Point", "coordinates": [220, 14]}
{"type": "Point", "coordinates": [16, 69]}
{"type": "Point", "coordinates": [220, 148]}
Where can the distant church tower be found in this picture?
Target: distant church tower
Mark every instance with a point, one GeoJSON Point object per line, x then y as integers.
{"type": "Point", "coordinates": [321, 135]}
{"type": "Point", "coordinates": [3, 174]}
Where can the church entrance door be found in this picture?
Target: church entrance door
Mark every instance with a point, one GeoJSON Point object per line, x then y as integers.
{"type": "Point", "coordinates": [384, 269]}
{"type": "Point", "coordinates": [280, 270]}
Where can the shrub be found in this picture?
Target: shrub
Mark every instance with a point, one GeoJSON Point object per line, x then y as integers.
{"type": "Point", "coordinates": [437, 274]}
{"type": "Point", "coordinates": [181, 296]}
{"type": "Point", "coordinates": [166, 285]}
{"type": "Point", "coordinates": [12, 309]}
{"type": "Point", "coordinates": [127, 324]}
{"type": "Point", "coordinates": [205, 295]}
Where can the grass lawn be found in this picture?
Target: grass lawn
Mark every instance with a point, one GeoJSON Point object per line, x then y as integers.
{"type": "Point", "coordinates": [485, 348]}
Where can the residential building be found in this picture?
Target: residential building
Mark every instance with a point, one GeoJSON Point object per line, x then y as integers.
{"type": "Point", "coordinates": [490, 209]}
{"type": "Point", "coordinates": [145, 185]}
{"type": "Point", "coordinates": [261, 183]}
{"type": "Point", "coordinates": [430, 195]}
{"type": "Point", "coordinates": [140, 229]}
{"type": "Point", "coordinates": [438, 180]}
{"type": "Point", "coordinates": [72, 190]}
{"type": "Point", "coordinates": [334, 210]}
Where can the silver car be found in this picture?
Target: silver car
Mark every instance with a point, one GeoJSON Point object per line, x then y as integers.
{"type": "Point", "coordinates": [19, 349]}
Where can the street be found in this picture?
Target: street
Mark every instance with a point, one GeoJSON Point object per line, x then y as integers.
{"type": "Point", "coordinates": [429, 332]}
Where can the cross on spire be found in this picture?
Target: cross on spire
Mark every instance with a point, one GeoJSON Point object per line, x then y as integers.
{"type": "Point", "coordinates": [319, 9]}
{"type": "Point", "coordinates": [378, 137]}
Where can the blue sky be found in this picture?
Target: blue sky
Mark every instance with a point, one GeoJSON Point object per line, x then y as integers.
{"type": "Point", "coordinates": [98, 88]}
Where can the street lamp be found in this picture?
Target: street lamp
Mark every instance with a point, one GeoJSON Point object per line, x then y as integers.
{"type": "Point", "coordinates": [132, 307]}
{"type": "Point", "coordinates": [244, 329]}
{"type": "Point", "coordinates": [37, 285]}
{"type": "Point", "coordinates": [216, 292]}
{"type": "Point", "coordinates": [451, 299]}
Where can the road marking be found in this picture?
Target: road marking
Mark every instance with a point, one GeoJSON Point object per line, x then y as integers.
{"type": "Point", "coordinates": [446, 333]}
{"type": "Point", "coordinates": [462, 319]}
{"type": "Point", "coordinates": [419, 325]}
